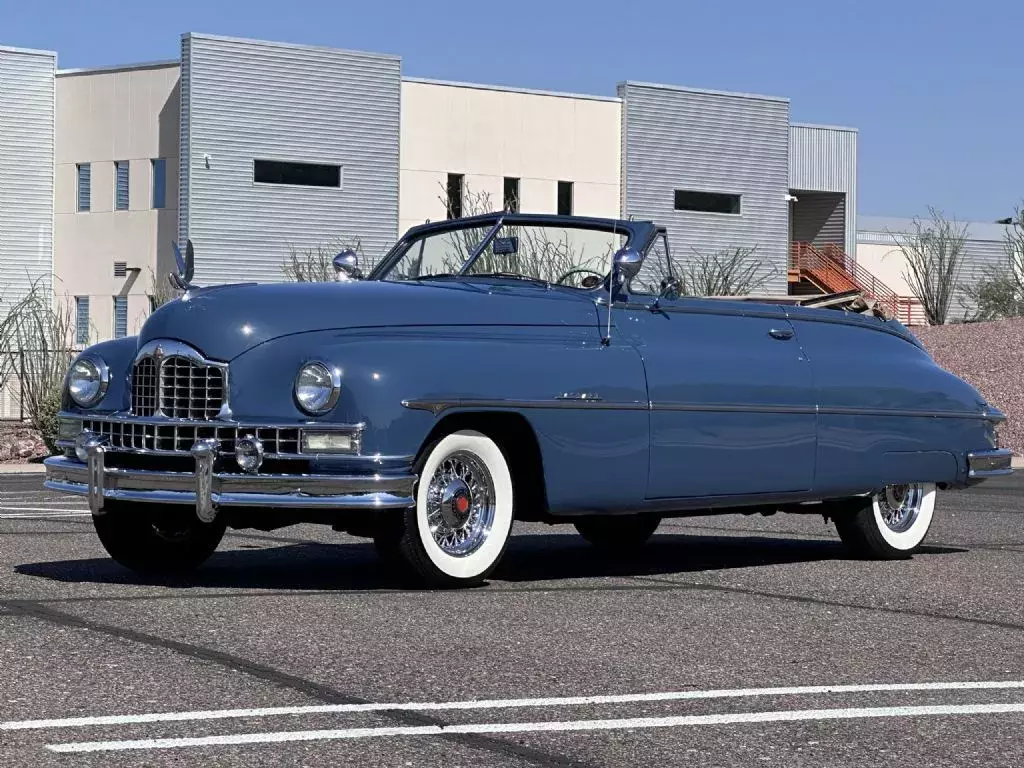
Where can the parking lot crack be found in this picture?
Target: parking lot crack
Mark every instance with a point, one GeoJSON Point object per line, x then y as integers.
{"type": "Point", "coordinates": [833, 603]}
{"type": "Point", "coordinates": [287, 681]}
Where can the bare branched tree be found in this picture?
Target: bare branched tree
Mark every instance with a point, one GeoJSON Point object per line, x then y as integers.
{"type": "Point", "coordinates": [160, 291]}
{"type": "Point", "coordinates": [934, 250]}
{"type": "Point", "coordinates": [41, 329]}
{"type": "Point", "coordinates": [1000, 290]}
{"type": "Point", "coordinates": [730, 272]}
{"type": "Point", "coordinates": [316, 264]}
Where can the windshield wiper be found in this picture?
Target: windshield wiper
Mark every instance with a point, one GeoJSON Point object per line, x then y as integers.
{"type": "Point", "coordinates": [510, 275]}
{"type": "Point", "coordinates": [434, 276]}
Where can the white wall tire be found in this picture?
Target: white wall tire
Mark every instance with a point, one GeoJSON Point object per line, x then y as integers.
{"type": "Point", "coordinates": [892, 524]}
{"type": "Point", "coordinates": [460, 526]}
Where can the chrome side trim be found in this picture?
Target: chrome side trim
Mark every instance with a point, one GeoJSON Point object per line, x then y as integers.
{"type": "Point", "coordinates": [438, 406]}
{"type": "Point", "coordinates": [572, 400]}
{"type": "Point", "coordinates": [911, 412]}
{"type": "Point", "coordinates": [735, 408]}
{"type": "Point", "coordinates": [993, 463]}
{"type": "Point", "coordinates": [295, 491]}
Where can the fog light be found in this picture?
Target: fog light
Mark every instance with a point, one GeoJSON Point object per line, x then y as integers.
{"type": "Point", "coordinates": [327, 442]}
{"type": "Point", "coordinates": [249, 454]}
{"type": "Point", "coordinates": [68, 429]}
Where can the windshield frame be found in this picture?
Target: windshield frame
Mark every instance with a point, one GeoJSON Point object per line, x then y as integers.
{"type": "Point", "coordinates": [639, 234]}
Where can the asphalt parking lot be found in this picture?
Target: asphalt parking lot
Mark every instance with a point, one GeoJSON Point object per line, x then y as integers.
{"type": "Point", "coordinates": [727, 641]}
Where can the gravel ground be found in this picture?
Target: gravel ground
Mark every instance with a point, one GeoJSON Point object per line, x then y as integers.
{"type": "Point", "coordinates": [991, 357]}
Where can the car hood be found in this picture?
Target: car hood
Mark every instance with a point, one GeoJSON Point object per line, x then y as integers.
{"type": "Point", "coordinates": [224, 321]}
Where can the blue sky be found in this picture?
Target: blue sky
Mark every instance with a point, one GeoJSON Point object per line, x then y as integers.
{"type": "Point", "coordinates": [934, 87]}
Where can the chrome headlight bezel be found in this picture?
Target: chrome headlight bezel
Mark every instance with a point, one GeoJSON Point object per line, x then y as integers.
{"type": "Point", "coordinates": [98, 374]}
{"type": "Point", "coordinates": [328, 379]}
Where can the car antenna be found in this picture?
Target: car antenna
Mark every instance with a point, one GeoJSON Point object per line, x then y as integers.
{"type": "Point", "coordinates": [611, 283]}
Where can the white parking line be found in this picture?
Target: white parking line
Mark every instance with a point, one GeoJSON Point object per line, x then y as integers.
{"type": "Point", "coordinates": [572, 725]}
{"type": "Point", "coordinates": [12, 513]}
{"type": "Point", "coordinates": [563, 701]}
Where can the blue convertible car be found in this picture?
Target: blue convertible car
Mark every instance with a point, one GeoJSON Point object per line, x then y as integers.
{"type": "Point", "coordinates": [503, 367]}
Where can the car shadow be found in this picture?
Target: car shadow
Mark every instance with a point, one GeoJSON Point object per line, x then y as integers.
{"type": "Point", "coordinates": [346, 566]}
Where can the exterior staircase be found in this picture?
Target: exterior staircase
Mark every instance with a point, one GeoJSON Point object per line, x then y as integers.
{"type": "Point", "coordinates": [828, 269]}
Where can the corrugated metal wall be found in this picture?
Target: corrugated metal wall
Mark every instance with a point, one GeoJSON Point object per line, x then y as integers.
{"type": "Point", "coordinates": [243, 100]}
{"type": "Point", "coordinates": [824, 159]}
{"type": "Point", "coordinates": [677, 138]}
{"type": "Point", "coordinates": [26, 169]}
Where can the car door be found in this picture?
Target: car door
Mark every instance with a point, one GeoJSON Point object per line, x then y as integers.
{"type": "Point", "coordinates": [732, 402]}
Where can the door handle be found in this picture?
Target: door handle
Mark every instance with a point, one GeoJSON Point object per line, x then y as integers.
{"type": "Point", "coordinates": [782, 334]}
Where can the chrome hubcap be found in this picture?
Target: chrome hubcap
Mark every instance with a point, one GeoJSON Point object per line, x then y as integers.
{"type": "Point", "coordinates": [900, 506]}
{"type": "Point", "coordinates": [460, 504]}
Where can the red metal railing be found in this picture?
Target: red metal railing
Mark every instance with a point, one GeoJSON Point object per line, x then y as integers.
{"type": "Point", "coordinates": [832, 270]}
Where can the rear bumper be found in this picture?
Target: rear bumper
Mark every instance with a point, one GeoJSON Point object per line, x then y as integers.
{"type": "Point", "coordinates": [206, 490]}
{"type": "Point", "coordinates": [984, 464]}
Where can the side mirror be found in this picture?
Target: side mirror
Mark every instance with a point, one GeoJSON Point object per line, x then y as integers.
{"type": "Point", "coordinates": [670, 289]}
{"type": "Point", "coordinates": [627, 263]}
{"type": "Point", "coordinates": [346, 265]}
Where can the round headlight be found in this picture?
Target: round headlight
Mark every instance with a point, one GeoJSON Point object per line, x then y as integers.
{"type": "Point", "coordinates": [317, 388]}
{"type": "Point", "coordinates": [87, 381]}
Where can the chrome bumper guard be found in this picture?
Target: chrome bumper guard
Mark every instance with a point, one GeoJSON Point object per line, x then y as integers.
{"type": "Point", "coordinates": [994, 463]}
{"type": "Point", "coordinates": [206, 490]}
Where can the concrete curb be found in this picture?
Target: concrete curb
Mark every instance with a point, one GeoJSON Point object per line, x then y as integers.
{"type": "Point", "coordinates": [21, 469]}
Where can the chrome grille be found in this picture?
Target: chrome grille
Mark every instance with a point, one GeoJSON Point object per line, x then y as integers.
{"type": "Point", "coordinates": [144, 387]}
{"type": "Point", "coordinates": [190, 391]}
{"type": "Point", "coordinates": [179, 438]}
{"type": "Point", "coordinates": [178, 386]}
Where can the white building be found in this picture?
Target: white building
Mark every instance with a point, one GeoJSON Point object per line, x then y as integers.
{"type": "Point", "coordinates": [251, 148]}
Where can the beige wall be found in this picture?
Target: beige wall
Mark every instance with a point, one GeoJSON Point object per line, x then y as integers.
{"type": "Point", "coordinates": [490, 133]}
{"type": "Point", "coordinates": [106, 116]}
{"type": "Point", "coordinates": [887, 263]}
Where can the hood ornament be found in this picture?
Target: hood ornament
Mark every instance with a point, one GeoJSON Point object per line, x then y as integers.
{"type": "Point", "coordinates": [182, 279]}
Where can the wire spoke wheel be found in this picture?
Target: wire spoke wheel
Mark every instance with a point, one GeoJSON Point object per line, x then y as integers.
{"type": "Point", "coordinates": [460, 504]}
{"type": "Point", "coordinates": [899, 506]}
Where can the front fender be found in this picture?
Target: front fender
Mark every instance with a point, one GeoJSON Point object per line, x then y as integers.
{"type": "Point", "coordinates": [527, 370]}
{"type": "Point", "coordinates": [118, 354]}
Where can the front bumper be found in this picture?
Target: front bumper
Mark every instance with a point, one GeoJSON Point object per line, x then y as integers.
{"type": "Point", "coordinates": [207, 490]}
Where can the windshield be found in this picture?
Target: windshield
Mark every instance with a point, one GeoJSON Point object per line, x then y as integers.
{"type": "Point", "coordinates": [566, 255]}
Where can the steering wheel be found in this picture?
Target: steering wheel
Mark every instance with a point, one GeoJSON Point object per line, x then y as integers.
{"type": "Point", "coordinates": [580, 271]}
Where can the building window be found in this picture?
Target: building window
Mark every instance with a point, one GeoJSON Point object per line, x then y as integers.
{"type": "Point", "coordinates": [296, 174]}
{"type": "Point", "coordinates": [120, 269]}
{"type": "Point", "coordinates": [81, 320]}
{"type": "Point", "coordinates": [511, 195]}
{"type": "Point", "coordinates": [120, 317]}
{"type": "Point", "coordinates": [455, 195]}
{"type": "Point", "coordinates": [159, 182]}
{"type": "Point", "coordinates": [121, 185]}
{"type": "Point", "coordinates": [565, 198]}
{"type": "Point", "coordinates": [706, 202]}
{"type": "Point", "coordinates": [83, 186]}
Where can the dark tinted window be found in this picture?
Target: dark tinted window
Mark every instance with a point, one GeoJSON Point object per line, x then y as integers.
{"type": "Point", "coordinates": [454, 195]}
{"type": "Point", "coordinates": [565, 198]}
{"type": "Point", "coordinates": [511, 195]}
{"type": "Point", "coordinates": [706, 202]}
{"type": "Point", "coordinates": [300, 174]}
